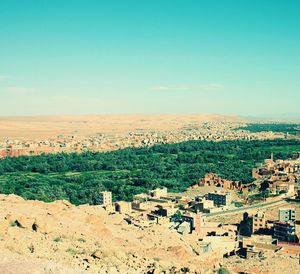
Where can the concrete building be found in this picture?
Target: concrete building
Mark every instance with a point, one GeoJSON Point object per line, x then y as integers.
{"type": "Point", "coordinates": [220, 198]}
{"type": "Point", "coordinates": [253, 224]}
{"type": "Point", "coordinates": [159, 192]}
{"type": "Point", "coordinates": [184, 228]}
{"type": "Point", "coordinates": [203, 206]}
{"type": "Point", "coordinates": [285, 232]}
{"type": "Point", "coordinates": [195, 221]}
{"type": "Point", "coordinates": [165, 211]}
{"type": "Point", "coordinates": [141, 197]}
{"type": "Point", "coordinates": [287, 214]}
{"type": "Point", "coordinates": [141, 206]}
{"type": "Point", "coordinates": [258, 246]}
{"type": "Point", "coordinates": [259, 222]}
{"type": "Point", "coordinates": [223, 245]}
{"type": "Point", "coordinates": [123, 207]}
{"type": "Point", "coordinates": [105, 198]}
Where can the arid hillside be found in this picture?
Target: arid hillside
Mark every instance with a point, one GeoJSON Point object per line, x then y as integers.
{"type": "Point", "coordinates": [38, 237]}
{"type": "Point", "coordinates": [59, 236]}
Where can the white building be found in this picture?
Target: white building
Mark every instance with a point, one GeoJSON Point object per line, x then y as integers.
{"type": "Point", "coordinates": [105, 198]}
{"type": "Point", "coordinates": [287, 214]}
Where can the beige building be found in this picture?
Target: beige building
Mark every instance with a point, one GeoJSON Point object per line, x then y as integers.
{"type": "Point", "coordinates": [159, 192]}
{"type": "Point", "coordinates": [258, 221]}
{"type": "Point", "coordinates": [253, 223]}
{"type": "Point", "coordinates": [204, 206]}
{"type": "Point", "coordinates": [123, 207]}
{"type": "Point", "coordinates": [139, 205]}
{"type": "Point", "coordinates": [105, 198]}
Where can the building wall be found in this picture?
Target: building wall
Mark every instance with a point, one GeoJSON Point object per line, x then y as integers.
{"type": "Point", "coordinates": [284, 232]}
{"type": "Point", "coordinates": [287, 214]}
{"type": "Point", "coordinates": [123, 207]}
{"type": "Point", "coordinates": [105, 198]}
{"type": "Point", "coordinates": [220, 198]}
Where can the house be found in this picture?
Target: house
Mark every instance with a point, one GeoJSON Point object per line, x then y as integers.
{"type": "Point", "coordinates": [105, 198]}
{"type": "Point", "coordinates": [203, 205]}
{"type": "Point", "coordinates": [252, 224]}
{"type": "Point", "coordinates": [220, 198]}
{"type": "Point", "coordinates": [184, 228]}
{"type": "Point", "coordinates": [211, 179]}
{"type": "Point", "coordinates": [165, 211]}
{"type": "Point", "coordinates": [221, 244]}
{"type": "Point", "coordinates": [257, 246]}
{"type": "Point", "coordinates": [283, 187]}
{"type": "Point", "coordinates": [285, 232]}
{"type": "Point", "coordinates": [158, 193]}
{"type": "Point", "coordinates": [123, 207]}
{"type": "Point", "coordinates": [287, 214]}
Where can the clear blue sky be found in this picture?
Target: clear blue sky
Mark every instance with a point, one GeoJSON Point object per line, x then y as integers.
{"type": "Point", "coordinates": [150, 56]}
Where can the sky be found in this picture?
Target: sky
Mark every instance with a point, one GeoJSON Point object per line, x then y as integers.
{"type": "Point", "coordinates": [236, 57]}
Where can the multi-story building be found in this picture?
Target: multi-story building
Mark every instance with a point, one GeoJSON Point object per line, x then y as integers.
{"type": "Point", "coordinates": [285, 232]}
{"type": "Point", "coordinates": [220, 198]}
{"type": "Point", "coordinates": [105, 198]}
{"type": "Point", "coordinates": [287, 214]}
{"type": "Point", "coordinates": [253, 224]}
{"type": "Point", "coordinates": [259, 222]}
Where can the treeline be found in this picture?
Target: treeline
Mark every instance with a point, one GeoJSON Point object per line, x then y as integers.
{"type": "Point", "coordinates": [80, 177]}
{"type": "Point", "coordinates": [284, 128]}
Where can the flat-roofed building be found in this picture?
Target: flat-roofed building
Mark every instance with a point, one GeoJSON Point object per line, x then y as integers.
{"type": "Point", "coordinates": [105, 198]}
{"type": "Point", "coordinates": [123, 207]}
{"type": "Point", "coordinates": [285, 232]}
{"type": "Point", "coordinates": [220, 198]}
{"type": "Point", "coordinates": [287, 214]}
{"type": "Point", "coordinates": [203, 206]}
{"type": "Point", "coordinates": [159, 192]}
{"type": "Point", "coordinates": [253, 223]}
{"type": "Point", "coordinates": [259, 222]}
{"type": "Point", "coordinates": [165, 211]}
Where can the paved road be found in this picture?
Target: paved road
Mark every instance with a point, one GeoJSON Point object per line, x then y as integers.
{"type": "Point", "coordinates": [241, 209]}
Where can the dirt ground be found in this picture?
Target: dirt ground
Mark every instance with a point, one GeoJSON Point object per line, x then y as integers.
{"type": "Point", "coordinates": [40, 127]}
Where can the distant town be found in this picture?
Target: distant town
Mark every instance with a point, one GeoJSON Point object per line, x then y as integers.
{"type": "Point", "coordinates": [211, 131]}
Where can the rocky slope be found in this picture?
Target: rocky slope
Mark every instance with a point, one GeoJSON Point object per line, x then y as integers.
{"type": "Point", "coordinates": [58, 237]}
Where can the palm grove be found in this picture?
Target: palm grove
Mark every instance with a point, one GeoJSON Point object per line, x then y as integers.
{"type": "Point", "coordinates": [79, 177]}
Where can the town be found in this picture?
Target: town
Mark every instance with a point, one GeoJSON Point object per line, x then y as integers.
{"type": "Point", "coordinates": [210, 131]}
{"type": "Point", "coordinates": [226, 218]}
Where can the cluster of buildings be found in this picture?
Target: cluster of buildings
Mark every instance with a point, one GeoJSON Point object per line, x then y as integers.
{"type": "Point", "coordinates": [181, 215]}
{"type": "Point", "coordinates": [259, 235]}
{"type": "Point", "coordinates": [211, 179]}
{"type": "Point", "coordinates": [213, 131]}
{"type": "Point", "coordinates": [158, 206]}
{"type": "Point", "coordinates": [279, 177]}
{"type": "Point", "coordinates": [254, 236]}
{"type": "Point", "coordinates": [73, 143]}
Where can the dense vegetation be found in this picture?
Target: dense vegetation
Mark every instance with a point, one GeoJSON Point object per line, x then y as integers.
{"type": "Point", "coordinates": [285, 128]}
{"type": "Point", "coordinates": [80, 177]}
